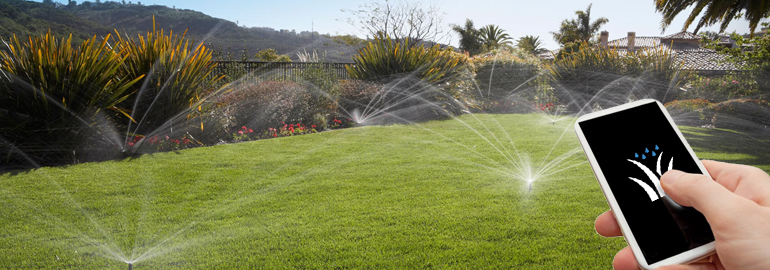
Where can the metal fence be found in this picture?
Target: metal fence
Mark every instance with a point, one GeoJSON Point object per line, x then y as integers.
{"type": "Point", "coordinates": [276, 71]}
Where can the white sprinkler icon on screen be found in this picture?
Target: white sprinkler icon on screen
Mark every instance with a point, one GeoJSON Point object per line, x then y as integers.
{"type": "Point", "coordinates": [654, 178]}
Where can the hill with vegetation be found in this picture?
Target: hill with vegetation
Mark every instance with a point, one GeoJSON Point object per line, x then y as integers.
{"type": "Point", "coordinates": [86, 19]}
{"type": "Point", "coordinates": [25, 18]}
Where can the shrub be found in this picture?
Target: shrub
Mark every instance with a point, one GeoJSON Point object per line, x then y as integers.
{"type": "Point", "coordinates": [178, 78]}
{"type": "Point", "coordinates": [355, 96]}
{"type": "Point", "coordinates": [737, 114]}
{"type": "Point", "coordinates": [59, 102]}
{"type": "Point", "coordinates": [691, 112]}
{"type": "Point", "coordinates": [721, 88]}
{"type": "Point", "coordinates": [593, 77]}
{"type": "Point", "coordinates": [384, 58]}
{"type": "Point", "coordinates": [324, 88]}
{"type": "Point", "coordinates": [503, 79]}
{"type": "Point", "coordinates": [417, 80]}
{"type": "Point", "coordinates": [742, 114]}
{"type": "Point", "coordinates": [266, 104]}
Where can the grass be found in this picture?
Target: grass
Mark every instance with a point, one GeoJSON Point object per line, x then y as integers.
{"type": "Point", "coordinates": [434, 195]}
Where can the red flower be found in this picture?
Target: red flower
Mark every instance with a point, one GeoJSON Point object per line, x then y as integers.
{"type": "Point", "coordinates": [176, 141]}
{"type": "Point", "coordinates": [312, 126]}
{"type": "Point", "coordinates": [240, 132]}
{"type": "Point", "coordinates": [167, 137]}
{"type": "Point", "coordinates": [251, 131]}
{"type": "Point", "coordinates": [244, 128]}
{"type": "Point", "coordinates": [186, 141]}
{"type": "Point", "coordinates": [275, 134]}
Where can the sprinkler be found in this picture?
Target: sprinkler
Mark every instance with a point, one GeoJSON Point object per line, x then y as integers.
{"type": "Point", "coordinates": [130, 265]}
{"type": "Point", "coordinates": [530, 183]}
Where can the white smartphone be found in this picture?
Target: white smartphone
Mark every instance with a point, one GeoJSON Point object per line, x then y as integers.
{"type": "Point", "coordinates": [629, 148]}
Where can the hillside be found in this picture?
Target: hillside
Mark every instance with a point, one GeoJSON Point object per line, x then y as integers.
{"type": "Point", "coordinates": [25, 18]}
{"type": "Point", "coordinates": [88, 18]}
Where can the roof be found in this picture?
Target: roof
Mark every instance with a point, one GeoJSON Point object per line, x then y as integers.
{"type": "Point", "coordinates": [682, 35]}
{"type": "Point", "coordinates": [639, 42]}
{"type": "Point", "coordinates": [693, 57]}
{"type": "Point", "coordinates": [705, 61]}
{"type": "Point", "coordinates": [682, 45]}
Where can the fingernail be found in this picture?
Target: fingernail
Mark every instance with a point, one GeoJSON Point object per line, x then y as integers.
{"type": "Point", "coordinates": [671, 176]}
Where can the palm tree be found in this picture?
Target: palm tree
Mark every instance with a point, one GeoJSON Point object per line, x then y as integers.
{"type": "Point", "coordinates": [580, 29]}
{"type": "Point", "coordinates": [470, 39]}
{"type": "Point", "coordinates": [493, 37]}
{"type": "Point", "coordinates": [716, 11]}
{"type": "Point", "coordinates": [531, 44]}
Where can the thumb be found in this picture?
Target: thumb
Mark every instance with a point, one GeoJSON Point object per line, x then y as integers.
{"type": "Point", "coordinates": [701, 192]}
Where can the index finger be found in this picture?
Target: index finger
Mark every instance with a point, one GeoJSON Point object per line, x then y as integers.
{"type": "Point", "coordinates": [607, 226]}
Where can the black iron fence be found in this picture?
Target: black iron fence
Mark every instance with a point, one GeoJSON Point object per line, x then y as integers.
{"type": "Point", "coordinates": [276, 71]}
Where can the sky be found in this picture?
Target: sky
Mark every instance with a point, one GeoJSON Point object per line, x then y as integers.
{"type": "Point", "coordinates": [517, 18]}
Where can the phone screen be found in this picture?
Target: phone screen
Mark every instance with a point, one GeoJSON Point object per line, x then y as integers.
{"type": "Point", "coordinates": [633, 148]}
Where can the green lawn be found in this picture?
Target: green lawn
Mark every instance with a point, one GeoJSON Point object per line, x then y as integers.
{"type": "Point", "coordinates": [436, 195]}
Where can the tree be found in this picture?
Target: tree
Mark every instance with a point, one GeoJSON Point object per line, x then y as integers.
{"type": "Point", "coordinates": [270, 55]}
{"type": "Point", "coordinates": [400, 20]}
{"type": "Point", "coordinates": [723, 11]}
{"type": "Point", "coordinates": [755, 59]}
{"type": "Point", "coordinates": [470, 38]}
{"type": "Point", "coordinates": [580, 29]}
{"type": "Point", "coordinates": [493, 37]}
{"type": "Point", "coordinates": [531, 44]}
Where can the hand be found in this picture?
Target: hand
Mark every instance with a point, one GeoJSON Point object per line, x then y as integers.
{"type": "Point", "coordinates": [736, 203]}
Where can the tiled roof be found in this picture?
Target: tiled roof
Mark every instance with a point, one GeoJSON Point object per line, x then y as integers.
{"type": "Point", "coordinates": [692, 56]}
{"type": "Point", "coordinates": [682, 35]}
{"type": "Point", "coordinates": [704, 61]}
{"type": "Point", "coordinates": [639, 42]}
{"type": "Point", "coordinates": [685, 47]}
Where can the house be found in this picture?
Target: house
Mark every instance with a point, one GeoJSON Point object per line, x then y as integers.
{"type": "Point", "coordinates": [685, 46]}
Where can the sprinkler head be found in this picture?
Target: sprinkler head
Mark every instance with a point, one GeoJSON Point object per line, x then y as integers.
{"type": "Point", "coordinates": [130, 265]}
{"type": "Point", "coordinates": [530, 180]}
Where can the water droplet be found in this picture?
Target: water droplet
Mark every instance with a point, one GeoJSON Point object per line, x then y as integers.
{"type": "Point", "coordinates": [636, 155]}
{"type": "Point", "coordinates": [644, 157]}
{"type": "Point", "coordinates": [653, 153]}
{"type": "Point", "coordinates": [646, 150]}
{"type": "Point", "coordinates": [656, 147]}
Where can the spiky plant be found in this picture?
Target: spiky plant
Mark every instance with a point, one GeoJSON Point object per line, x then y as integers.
{"type": "Point", "coordinates": [592, 76]}
{"type": "Point", "coordinates": [178, 76]}
{"type": "Point", "coordinates": [423, 69]}
{"type": "Point", "coordinates": [384, 57]}
{"type": "Point", "coordinates": [58, 100]}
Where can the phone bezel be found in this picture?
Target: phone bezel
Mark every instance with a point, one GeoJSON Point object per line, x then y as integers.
{"type": "Point", "coordinates": [681, 258]}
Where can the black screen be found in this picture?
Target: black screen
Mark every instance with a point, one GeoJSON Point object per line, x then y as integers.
{"type": "Point", "coordinates": [625, 142]}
